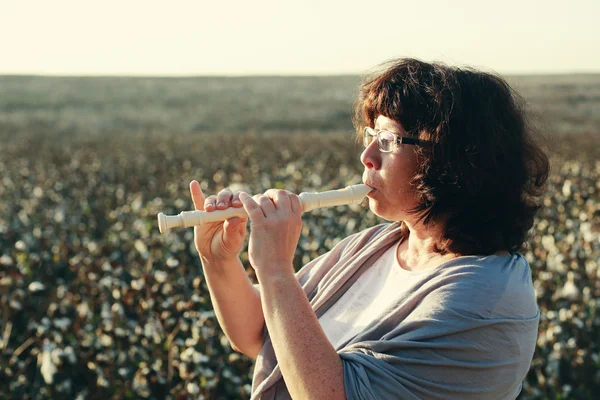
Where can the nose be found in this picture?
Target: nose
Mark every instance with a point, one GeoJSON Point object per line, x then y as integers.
{"type": "Point", "coordinates": [371, 156]}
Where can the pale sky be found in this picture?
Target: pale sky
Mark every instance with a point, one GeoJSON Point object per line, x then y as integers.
{"type": "Point", "coordinates": [254, 37]}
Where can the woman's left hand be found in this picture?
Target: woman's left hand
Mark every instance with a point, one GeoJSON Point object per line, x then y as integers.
{"type": "Point", "coordinates": [276, 223]}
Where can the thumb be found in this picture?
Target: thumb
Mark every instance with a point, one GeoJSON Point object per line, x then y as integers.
{"type": "Point", "coordinates": [197, 195]}
{"type": "Point", "coordinates": [234, 228]}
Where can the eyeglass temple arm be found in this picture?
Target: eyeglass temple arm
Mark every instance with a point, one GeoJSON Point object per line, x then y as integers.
{"type": "Point", "coordinates": [408, 140]}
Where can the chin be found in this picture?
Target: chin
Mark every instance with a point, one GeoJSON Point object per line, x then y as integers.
{"type": "Point", "coordinates": [382, 211]}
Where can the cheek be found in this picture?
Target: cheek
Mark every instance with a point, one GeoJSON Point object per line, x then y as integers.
{"type": "Point", "coordinates": [400, 183]}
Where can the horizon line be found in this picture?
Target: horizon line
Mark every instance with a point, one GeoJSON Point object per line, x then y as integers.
{"type": "Point", "coordinates": [252, 75]}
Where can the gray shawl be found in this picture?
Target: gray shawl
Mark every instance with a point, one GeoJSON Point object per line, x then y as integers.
{"type": "Point", "coordinates": [467, 329]}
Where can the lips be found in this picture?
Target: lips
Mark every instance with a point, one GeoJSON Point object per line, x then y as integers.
{"type": "Point", "coordinates": [373, 189]}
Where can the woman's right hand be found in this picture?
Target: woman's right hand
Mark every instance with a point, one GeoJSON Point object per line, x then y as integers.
{"type": "Point", "coordinates": [218, 241]}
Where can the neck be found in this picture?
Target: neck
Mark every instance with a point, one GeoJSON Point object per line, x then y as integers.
{"type": "Point", "coordinates": [417, 252]}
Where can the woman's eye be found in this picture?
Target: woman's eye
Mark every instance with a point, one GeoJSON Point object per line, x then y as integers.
{"type": "Point", "coordinates": [386, 142]}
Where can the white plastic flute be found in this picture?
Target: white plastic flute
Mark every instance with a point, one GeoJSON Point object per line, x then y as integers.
{"type": "Point", "coordinates": [349, 195]}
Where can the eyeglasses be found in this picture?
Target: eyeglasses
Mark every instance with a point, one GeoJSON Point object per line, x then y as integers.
{"type": "Point", "coordinates": [388, 141]}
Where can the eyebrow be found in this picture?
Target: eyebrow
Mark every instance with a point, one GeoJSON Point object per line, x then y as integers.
{"type": "Point", "coordinates": [401, 133]}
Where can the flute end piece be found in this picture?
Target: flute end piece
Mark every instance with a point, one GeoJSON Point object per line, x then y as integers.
{"type": "Point", "coordinates": [162, 224]}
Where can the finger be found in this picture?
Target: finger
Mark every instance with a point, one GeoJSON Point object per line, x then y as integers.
{"type": "Point", "coordinates": [254, 211]}
{"type": "Point", "coordinates": [237, 203]}
{"type": "Point", "coordinates": [210, 203]}
{"type": "Point", "coordinates": [257, 199]}
{"type": "Point", "coordinates": [197, 195]}
{"type": "Point", "coordinates": [266, 203]}
{"type": "Point", "coordinates": [224, 199]}
{"type": "Point", "coordinates": [235, 200]}
{"type": "Point", "coordinates": [282, 200]}
{"type": "Point", "coordinates": [296, 204]}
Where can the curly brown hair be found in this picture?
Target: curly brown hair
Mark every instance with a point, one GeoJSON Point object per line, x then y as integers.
{"type": "Point", "coordinates": [484, 172]}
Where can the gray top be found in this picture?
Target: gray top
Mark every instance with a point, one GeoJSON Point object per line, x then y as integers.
{"type": "Point", "coordinates": [466, 329]}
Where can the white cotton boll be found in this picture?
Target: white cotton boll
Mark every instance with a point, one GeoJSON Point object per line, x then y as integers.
{"type": "Point", "coordinates": [196, 298]}
{"type": "Point", "coordinates": [83, 310]}
{"type": "Point", "coordinates": [105, 313]}
{"type": "Point", "coordinates": [557, 331]}
{"type": "Point", "coordinates": [59, 216]}
{"type": "Point", "coordinates": [141, 248]}
{"type": "Point", "coordinates": [6, 260]}
{"type": "Point", "coordinates": [549, 335]}
{"type": "Point", "coordinates": [199, 358]}
{"type": "Point", "coordinates": [172, 262]}
{"type": "Point", "coordinates": [15, 305]}
{"type": "Point", "coordinates": [186, 355]}
{"type": "Point", "coordinates": [548, 242]}
{"type": "Point", "coordinates": [102, 382]}
{"type": "Point", "coordinates": [542, 341]}
{"type": "Point", "coordinates": [166, 289]}
{"type": "Point", "coordinates": [106, 267]}
{"type": "Point", "coordinates": [192, 388]}
{"type": "Point", "coordinates": [590, 267]}
{"type": "Point", "coordinates": [107, 282]}
{"type": "Point", "coordinates": [566, 189]}
{"type": "Point", "coordinates": [118, 309]}
{"type": "Point", "coordinates": [106, 340]}
{"type": "Point", "coordinates": [36, 287]}
{"type": "Point", "coordinates": [70, 355]}
{"type": "Point", "coordinates": [137, 284]}
{"type": "Point", "coordinates": [183, 372]}
{"type": "Point", "coordinates": [184, 326]}
{"type": "Point", "coordinates": [62, 323]}
{"type": "Point", "coordinates": [57, 355]}
{"type": "Point", "coordinates": [570, 290]}
{"type": "Point", "coordinates": [586, 231]}
{"type": "Point", "coordinates": [160, 276]}
{"type": "Point", "coordinates": [47, 368]}
{"type": "Point", "coordinates": [196, 332]}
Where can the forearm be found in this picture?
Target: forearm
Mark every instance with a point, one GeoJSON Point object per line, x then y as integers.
{"type": "Point", "coordinates": [309, 364]}
{"type": "Point", "coordinates": [237, 305]}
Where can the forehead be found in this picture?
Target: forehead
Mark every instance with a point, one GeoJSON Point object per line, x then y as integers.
{"type": "Point", "coordinates": [385, 123]}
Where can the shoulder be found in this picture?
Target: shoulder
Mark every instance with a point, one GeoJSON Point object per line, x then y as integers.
{"type": "Point", "coordinates": [493, 286]}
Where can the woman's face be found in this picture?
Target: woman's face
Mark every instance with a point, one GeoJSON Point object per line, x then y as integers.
{"type": "Point", "coordinates": [390, 175]}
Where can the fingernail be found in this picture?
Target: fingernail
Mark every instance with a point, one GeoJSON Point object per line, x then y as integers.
{"type": "Point", "coordinates": [220, 204]}
{"type": "Point", "coordinates": [236, 201]}
{"type": "Point", "coordinates": [243, 194]}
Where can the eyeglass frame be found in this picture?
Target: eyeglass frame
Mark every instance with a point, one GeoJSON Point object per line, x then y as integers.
{"type": "Point", "coordinates": [399, 139]}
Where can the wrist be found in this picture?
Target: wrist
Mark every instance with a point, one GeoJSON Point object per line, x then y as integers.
{"type": "Point", "coordinates": [219, 264]}
{"type": "Point", "coordinates": [274, 273]}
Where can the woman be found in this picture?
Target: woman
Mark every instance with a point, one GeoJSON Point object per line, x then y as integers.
{"type": "Point", "coordinates": [436, 304]}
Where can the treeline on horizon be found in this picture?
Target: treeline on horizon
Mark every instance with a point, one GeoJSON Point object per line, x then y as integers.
{"type": "Point", "coordinates": [558, 104]}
